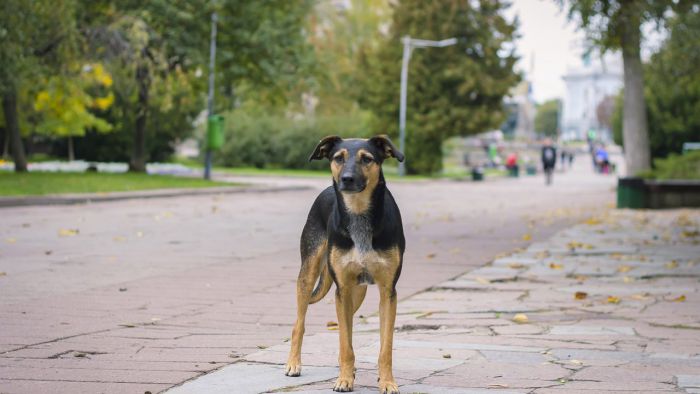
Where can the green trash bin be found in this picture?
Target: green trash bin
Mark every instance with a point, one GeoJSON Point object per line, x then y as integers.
{"type": "Point", "coordinates": [631, 193]}
{"type": "Point", "coordinates": [215, 132]}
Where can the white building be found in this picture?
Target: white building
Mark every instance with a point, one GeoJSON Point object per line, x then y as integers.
{"type": "Point", "coordinates": [587, 85]}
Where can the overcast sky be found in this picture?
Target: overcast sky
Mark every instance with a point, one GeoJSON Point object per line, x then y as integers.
{"type": "Point", "coordinates": [552, 40]}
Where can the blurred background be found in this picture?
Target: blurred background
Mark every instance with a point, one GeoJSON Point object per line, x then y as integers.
{"type": "Point", "coordinates": [116, 86]}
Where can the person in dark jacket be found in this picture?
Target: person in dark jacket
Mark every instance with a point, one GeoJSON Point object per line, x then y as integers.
{"type": "Point", "coordinates": [549, 159]}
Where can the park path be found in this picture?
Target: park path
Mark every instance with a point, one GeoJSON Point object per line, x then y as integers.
{"type": "Point", "coordinates": [611, 305]}
{"type": "Point", "coordinates": [141, 295]}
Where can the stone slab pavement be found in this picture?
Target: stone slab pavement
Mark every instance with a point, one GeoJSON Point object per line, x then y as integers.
{"type": "Point", "coordinates": [141, 295]}
{"type": "Point", "coordinates": [610, 305]}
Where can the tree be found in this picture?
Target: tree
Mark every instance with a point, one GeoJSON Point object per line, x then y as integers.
{"type": "Point", "coordinates": [66, 102]}
{"type": "Point", "coordinates": [34, 36]}
{"type": "Point", "coordinates": [547, 118]}
{"type": "Point", "coordinates": [673, 88]}
{"type": "Point", "coordinates": [616, 24]}
{"type": "Point", "coordinates": [456, 90]}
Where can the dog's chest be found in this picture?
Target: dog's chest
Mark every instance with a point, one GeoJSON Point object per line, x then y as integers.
{"type": "Point", "coordinates": [360, 230]}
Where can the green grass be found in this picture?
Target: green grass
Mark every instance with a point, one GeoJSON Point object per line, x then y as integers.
{"type": "Point", "coordinates": [42, 183]}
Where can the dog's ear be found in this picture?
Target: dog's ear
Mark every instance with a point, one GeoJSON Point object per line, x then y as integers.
{"type": "Point", "coordinates": [324, 147]}
{"type": "Point", "coordinates": [386, 146]}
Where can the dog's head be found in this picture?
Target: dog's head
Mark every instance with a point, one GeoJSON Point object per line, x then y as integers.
{"type": "Point", "coordinates": [356, 164]}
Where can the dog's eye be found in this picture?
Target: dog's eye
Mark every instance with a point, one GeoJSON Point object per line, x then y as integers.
{"type": "Point", "coordinates": [339, 159]}
{"type": "Point", "coordinates": [366, 160]}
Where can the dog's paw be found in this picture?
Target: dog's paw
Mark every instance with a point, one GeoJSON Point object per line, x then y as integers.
{"type": "Point", "coordinates": [388, 387]}
{"type": "Point", "coordinates": [343, 385]}
{"type": "Point", "coordinates": [292, 369]}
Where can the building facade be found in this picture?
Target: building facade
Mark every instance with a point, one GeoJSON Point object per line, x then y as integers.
{"type": "Point", "coordinates": [589, 86]}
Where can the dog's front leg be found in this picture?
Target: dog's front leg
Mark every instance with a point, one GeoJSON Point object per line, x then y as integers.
{"type": "Point", "coordinates": [387, 319]}
{"type": "Point", "coordinates": [344, 310]}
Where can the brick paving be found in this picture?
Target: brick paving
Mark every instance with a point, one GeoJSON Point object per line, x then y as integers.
{"type": "Point", "coordinates": [142, 295]}
{"type": "Point", "coordinates": [611, 305]}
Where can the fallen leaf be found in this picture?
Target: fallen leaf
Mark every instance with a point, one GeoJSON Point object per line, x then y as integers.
{"type": "Point", "coordinates": [10, 240]}
{"type": "Point", "coordinates": [3, 273]}
{"type": "Point", "coordinates": [613, 300]}
{"type": "Point", "coordinates": [581, 278]}
{"type": "Point", "coordinates": [520, 318]}
{"type": "Point", "coordinates": [690, 234]}
{"type": "Point", "coordinates": [331, 324]}
{"type": "Point", "coordinates": [580, 295]}
{"type": "Point", "coordinates": [119, 239]}
{"type": "Point", "coordinates": [446, 355]}
{"type": "Point", "coordinates": [128, 325]}
{"type": "Point", "coordinates": [516, 266]}
{"type": "Point", "coordinates": [527, 237]}
{"type": "Point", "coordinates": [679, 299]}
{"type": "Point", "coordinates": [576, 362]}
{"type": "Point", "coordinates": [66, 232]}
{"type": "Point", "coordinates": [628, 279]}
{"type": "Point", "coordinates": [333, 328]}
{"type": "Point", "coordinates": [424, 315]}
{"type": "Point", "coordinates": [498, 386]}
{"type": "Point", "coordinates": [642, 296]}
{"type": "Point", "coordinates": [430, 256]}
{"type": "Point", "coordinates": [593, 221]}
{"type": "Point", "coordinates": [556, 266]}
{"type": "Point", "coordinates": [483, 281]}
{"type": "Point", "coordinates": [672, 264]}
{"type": "Point", "coordinates": [262, 347]}
{"type": "Point", "coordinates": [624, 268]}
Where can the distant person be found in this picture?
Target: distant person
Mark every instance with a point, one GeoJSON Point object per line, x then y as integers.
{"type": "Point", "coordinates": [549, 159]}
{"type": "Point", "coordinates": [512, 164]}
{"type": "Point", "coordinates": [563, 154]}
{"type": "Point", "coordinates": [602, 159]}
{"type": "Point", "coordinates": [571, 158]}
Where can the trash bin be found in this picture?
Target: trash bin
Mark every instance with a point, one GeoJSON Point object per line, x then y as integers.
{"type": "Point", "coordinates": [477, 174]}
{"type": "Point", "coordinates": [631, 193]}
{"type": "Point", "coordinates": [215, 132]}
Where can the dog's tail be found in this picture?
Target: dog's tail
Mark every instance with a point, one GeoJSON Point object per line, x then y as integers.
{"type": "Point", "coordinates": [324, 284]}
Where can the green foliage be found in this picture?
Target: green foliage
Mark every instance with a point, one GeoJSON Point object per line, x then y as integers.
{"type": "Point", "coordinates": [66, 101]}
{"type": "Point", "coordinates": [547, 118]}
{"type": "Point", "coordinates": [275, 141]}
{"type": "Point", "coordinates": [456, 90]}
{"type": "Point", "coordinates": [685, 166]}
{"type": "Point", "coordinates": [672, 91]}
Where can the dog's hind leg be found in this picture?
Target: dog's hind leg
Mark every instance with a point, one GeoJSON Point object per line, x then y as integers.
{"type": "Point", "coordinates": [308, 275]}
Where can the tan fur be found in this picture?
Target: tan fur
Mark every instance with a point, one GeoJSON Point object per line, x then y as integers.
{"type": "Point", "coordinates": [308, 275]}
{"type": "Point", "coordinates": [337, 168]}
{"type": "Point", "coordinates": [359, 203]}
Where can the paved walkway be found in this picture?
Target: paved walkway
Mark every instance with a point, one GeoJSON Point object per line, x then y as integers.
{"type": "Point", "coordinates": [610, 305]}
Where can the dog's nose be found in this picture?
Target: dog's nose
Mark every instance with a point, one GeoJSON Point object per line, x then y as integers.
{"type": "Point", "coordinates": [347, 179]}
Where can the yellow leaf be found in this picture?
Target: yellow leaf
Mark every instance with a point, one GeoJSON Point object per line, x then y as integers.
{"type": "Point", "coordinates": [672, 264]}
{"type": "Point", "coordinates": [516, 266]}
{"type": "Point", "coordinates": [527, 237]}
{"type": "Point", "coordinates": [624, 268]}
{"type": "Point", "coordinates": [628, 279]}
{"type": "Point", "coordinates": [10, 240]}
{"type": "Point", "coordinates": [576, 362]}
{"type": "Point", "coordinates": [65, 232]}
{"type": "Point", "coordinates": [520, 318]}
{"type": "Point", "coordinates": [2, 273]}
{"type": "Point", "coordinates": [580, 295]}
{"type": "Point", "coordinates": [430, 256]}
{"type": "Point", "coordinates": [581, 278]}
{"type": "Point", "coordinates": [483, 281]}
{"type": "Point", "coordinates": [593, 221]}
{"type": "Point", "coordinates": [679, 299]}
{"type": "Point", "coordinates": [613, 300]}
{"type": "Point", "coordinates": [556, 266]}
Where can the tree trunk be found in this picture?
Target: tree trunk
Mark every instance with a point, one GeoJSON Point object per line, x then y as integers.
{"type": "Point", "coordinates": [5, 144]}
{"type": "Point", "coordinates": [71, 152]}
{"type": "Point", "coordinates": [9, 107]}
{"type": "Point", "coordinates": [635, 131]}
{"type": "Point", "coordinates": [138, 157]}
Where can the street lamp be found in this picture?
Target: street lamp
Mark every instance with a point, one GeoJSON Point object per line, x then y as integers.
{"type": "Point", "coordinates": [408, 45]}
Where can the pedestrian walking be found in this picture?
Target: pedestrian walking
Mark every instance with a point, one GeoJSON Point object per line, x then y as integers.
{"type": "Point", "coordinates": [549, 159]}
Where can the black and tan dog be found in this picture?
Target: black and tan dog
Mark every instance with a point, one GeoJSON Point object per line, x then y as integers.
{"type": "Point", "coordinates": [354, 236]}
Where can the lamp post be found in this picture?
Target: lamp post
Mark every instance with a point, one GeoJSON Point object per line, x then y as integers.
{"type": "Point", "coordinates": [210, 98]}
{"type": "Point", "coordinates": [408, 45]}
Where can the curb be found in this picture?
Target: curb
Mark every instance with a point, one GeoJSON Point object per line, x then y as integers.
{"type": "Point", "coordinates": [73, 199]}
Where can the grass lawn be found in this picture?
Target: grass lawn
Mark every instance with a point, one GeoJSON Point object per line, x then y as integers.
{"type": "Point", "coordinates": [41, 183]}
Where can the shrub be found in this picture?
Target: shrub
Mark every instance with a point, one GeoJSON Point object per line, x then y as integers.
{"type": "Point", "coordinates": [686, 166]}
{"type": "Point", "coordinates": [275, 141]}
